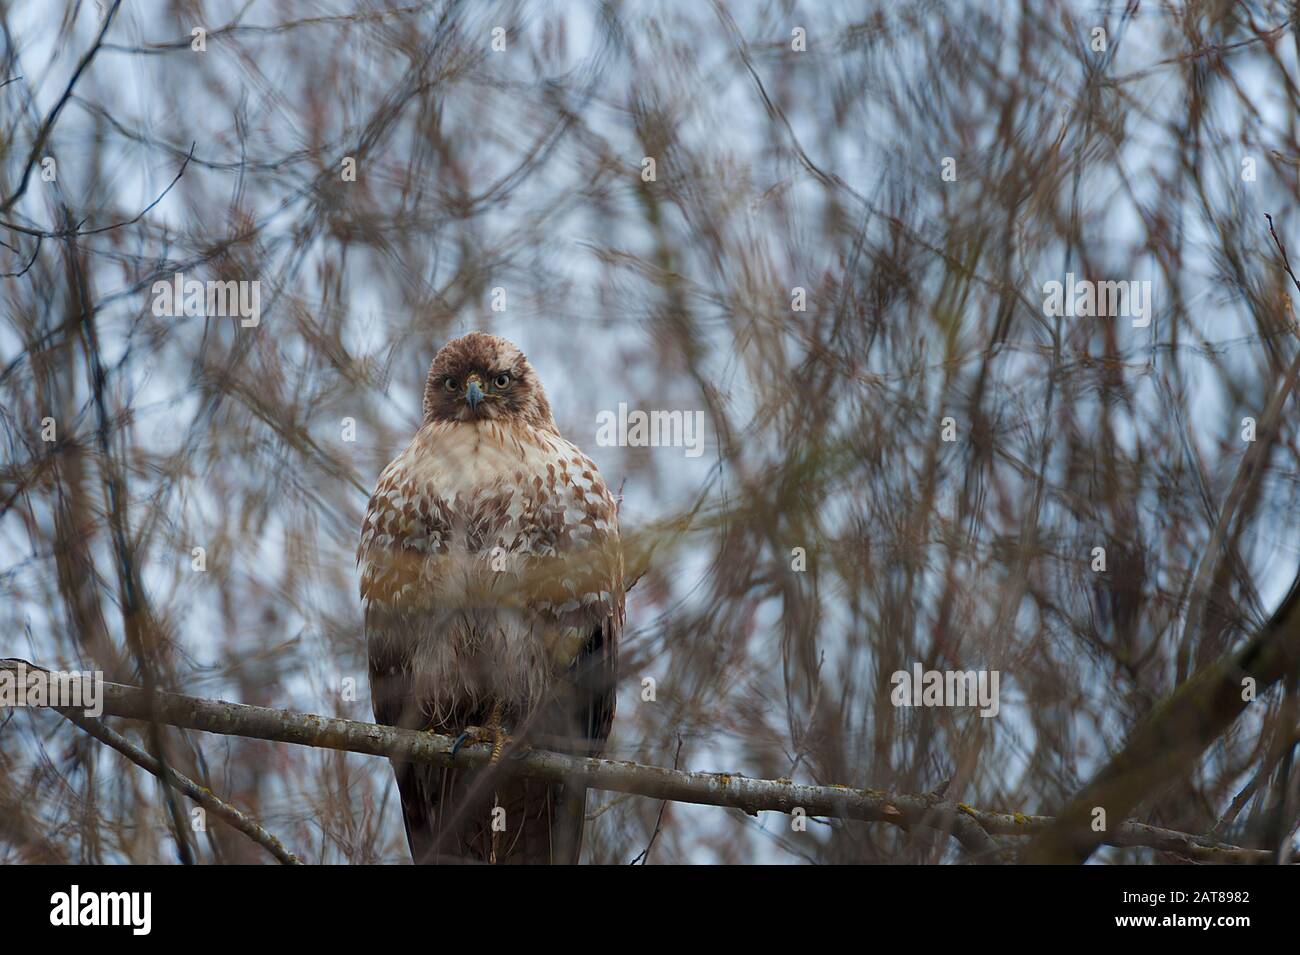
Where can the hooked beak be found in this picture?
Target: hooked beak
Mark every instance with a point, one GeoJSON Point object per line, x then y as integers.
{"type": "Point", "coordinates": [473, 393]}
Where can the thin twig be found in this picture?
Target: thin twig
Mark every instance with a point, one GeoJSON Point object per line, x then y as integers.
{"type": "Point", "coordinates": [644, 854]}
{"type": "Point", "coordinates": [1286, 262]}
{"type": "Point", "coordinates": [78, 231]}
{"type": "Point", "coordinates": [48, 125]}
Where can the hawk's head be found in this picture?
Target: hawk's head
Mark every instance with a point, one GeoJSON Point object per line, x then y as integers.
{"type": "Point", "coordinates": [481, 377]}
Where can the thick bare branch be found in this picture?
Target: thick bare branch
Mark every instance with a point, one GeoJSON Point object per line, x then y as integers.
{"type": "Point", "coordinates": [972, 827]}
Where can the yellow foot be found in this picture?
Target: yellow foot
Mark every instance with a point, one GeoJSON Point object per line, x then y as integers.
{"type": "Point", "coordinates": [492, 734]}
{"type": "Point", "coordinates": [498, 733]}
{"type": "Point", "coordinates": [498, 744]}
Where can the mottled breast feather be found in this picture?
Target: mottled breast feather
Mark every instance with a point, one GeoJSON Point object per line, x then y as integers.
{"type": "Point", "coordinates": [493, 542]}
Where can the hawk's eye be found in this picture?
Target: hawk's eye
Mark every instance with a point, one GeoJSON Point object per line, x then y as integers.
{"type": "Point", "coordinates": [451, 384]}
{"type": "Point", "coordinates": [502, 380]}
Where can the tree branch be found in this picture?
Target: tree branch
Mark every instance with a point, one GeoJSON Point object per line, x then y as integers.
{"type": "Point", "coordinates": [204, 797]}
{"type": "Point", "coordinates": [973, 828]}
{"type": "Point", "coordinates": [1167, 745]}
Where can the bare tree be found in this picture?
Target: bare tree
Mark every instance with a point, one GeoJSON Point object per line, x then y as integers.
{"type": "Point", "coordinates": [992, 342]}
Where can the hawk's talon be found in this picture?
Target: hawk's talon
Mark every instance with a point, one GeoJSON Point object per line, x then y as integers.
{"type": "Point", "coordinates": [493, 734]}
{"type": "Point", "coordinates": [459, 742]}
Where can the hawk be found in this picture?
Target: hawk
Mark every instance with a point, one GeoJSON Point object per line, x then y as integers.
{"type": "Point", "coordinates": [492, 588]}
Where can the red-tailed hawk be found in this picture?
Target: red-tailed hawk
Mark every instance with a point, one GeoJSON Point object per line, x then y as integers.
{"type": "Point", "coordinates": [492, 585]}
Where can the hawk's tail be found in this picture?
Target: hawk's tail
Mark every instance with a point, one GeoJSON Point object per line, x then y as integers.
{"type": "Point", "coordinates": [456, 816]}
